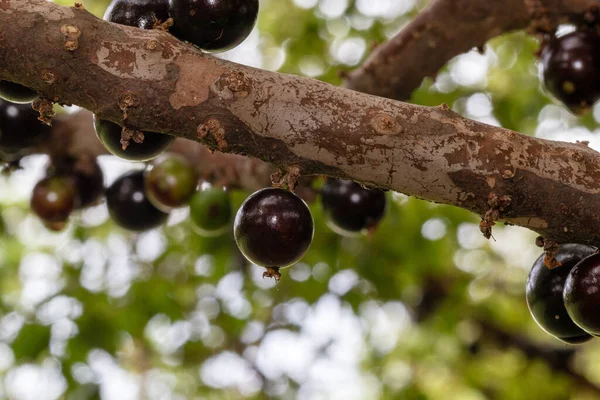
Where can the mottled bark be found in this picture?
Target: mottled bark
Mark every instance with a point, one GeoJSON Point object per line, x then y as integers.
{"type": "Point", "coordinates": [161, 84]}
{"type": "Point", "coordinates": [447, 28]}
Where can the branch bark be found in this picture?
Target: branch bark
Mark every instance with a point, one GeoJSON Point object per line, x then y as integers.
{"type": "Point", "coordinates": [448, 28]}
{"type": "Point", "coordinates": [148, 80]}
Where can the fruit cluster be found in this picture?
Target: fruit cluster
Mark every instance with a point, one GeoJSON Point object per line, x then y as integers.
{"type": "Point", "coordinates": [136, 201]}
{"type": "Point", "coordinates": [564, 300]}
{"type": "Point", "coordinates": [212, 25]}
{"type": "Point", "coordinates": [274, 228]}
{"type": "Point", "coordinates": [569, 67]}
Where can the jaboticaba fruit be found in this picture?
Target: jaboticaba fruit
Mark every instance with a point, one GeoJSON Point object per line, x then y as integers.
{"type": "Point", "coordinates": [570, 66]}
{"type": "Point", "coordinates": [350, 208]}
{"type": "Point", "coordinates": [582, 294]}
{"type": "Point", "coordinates": [16, 93]}
{"type": "Point", "coordinates": [210, 211]}
{"type": "Point", "coordinates": [170, 182]}
{"type": "Point", "coordinates": [53, 199]}
{"type": "Point", "coordinates": [145, 148]}
{"type": "Point", "coordinates": [273, 228]}
{"type": "Point", "coordinates": [213, 25]}
{"type": "Point", "coordinates": [144, 14]}
{"type": "Point", "coordinates": [128, 204]}
{"type": "Point", "coordinates": [19, 127]}
{"type": "Point", "coordinates": [544, 294]}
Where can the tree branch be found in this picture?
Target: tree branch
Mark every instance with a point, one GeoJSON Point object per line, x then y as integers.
{"type": "Point", "coordinates": [151, 81]}
{"type": "Point", "coordinates": [448, 28]}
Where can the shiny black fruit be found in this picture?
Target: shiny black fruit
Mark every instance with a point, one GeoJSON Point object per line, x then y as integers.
{"type": "Point", "coordinates": [273, 228]}
{"type": "Point", "coordinates": [19, 127]}
{"type": "Point", "coordinates": [170, 182]}
{"type": "Point", "coordinates": [582, 294]}
{"type": "Point", "coordinates": [151, 145]}
{"type": "Point", "coordinates": [570, 66]}
{"type": "Point", "coordinates": [210, 211]}
{"type": "Point", "coordinates": [53, 199]}
{"type": "Point", "coordinates": [16, 93]}
{"type": "Point", "coordinates": [213, 25]}
{"type": "Point", "coordinates": [128, 204]}
{"type": "Point", "coordinates": [143, 14]}
{"type": "Point", "coordinates": [544, 294]}
{"type": "Point", "coordinates": [350, 208]}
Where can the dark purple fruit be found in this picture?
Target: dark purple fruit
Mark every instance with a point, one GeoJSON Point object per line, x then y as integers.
{"type": "Point", "coordinates": [86, 175]}
{"type": "Point", "coordinates": [19, 127]}
{"type": "Point", "coordinates": [170, 182]}
{"type": "Point", "coordinates": [128, 204]}
{"type": "Point", "coordinates": [16, 93]}
{"type": "Point", "coordinates": [144, 14]}
{"type": "Point", "coordinates": [150, 146]}
{"type": "Point", "coordinates": [210, 211]}
{"type": "Point", "coordinates": [350, 208]}
{"type": "Point", "coordinates": [273, 228]}
{"type": "Point", "coordinates": [53, 199]}
{"type": "Point", "coordinates": [213, 25]}
{"type": "Point", "coordinates": [89, 181]}
{"type": "Point", "coordinates": [570, 65]}
{"type": "Point", "coordinates": [582, 294]}
{"type": "Point", "coordinates": [544, 294]}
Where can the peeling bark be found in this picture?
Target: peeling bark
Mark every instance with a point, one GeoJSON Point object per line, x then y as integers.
{"type": "Point", "coordinates": [447, 28]}
{"type": "Point", "coordinates": [150, 81]}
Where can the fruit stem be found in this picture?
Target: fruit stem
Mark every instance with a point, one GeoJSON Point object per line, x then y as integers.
{"type": "Point", "coordinates": [272, 272]}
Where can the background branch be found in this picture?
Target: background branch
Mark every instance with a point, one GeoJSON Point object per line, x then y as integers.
{"type": "Point", "coordinates": [447, 28]}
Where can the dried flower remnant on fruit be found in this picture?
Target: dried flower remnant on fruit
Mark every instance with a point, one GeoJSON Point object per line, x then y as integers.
{"type": "Point", "coordinates": [287, 181]}
{"type": "Point", "coordinates": [550, 250]}
{"type": "Point", "coordinates": [272, 272]}
{"type": "Point", "coordinates": [128, 135]}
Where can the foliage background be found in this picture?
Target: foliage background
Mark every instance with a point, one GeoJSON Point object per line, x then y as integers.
{"type": "Point", "coordinates": [425, 308]}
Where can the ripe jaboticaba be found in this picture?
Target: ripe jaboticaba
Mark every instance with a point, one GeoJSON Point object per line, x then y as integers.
{"type": "Point", "coordinates": [19, 127]}
{"type": "Point", "coordinates": [350, 208]}
{"type": "Point", "coordinates": [150, 146]}
{"type": "Point", "coordinates": [213, 25]}
{"type": "Point", "coordinates": [16, 93]}
{"type": "Point", "coordinates": [582, 294]}
{"type": "Point", "coordinates": [544, 294]}
{"type": "Point", "coordinates": [128, 204]}
{"type": "Point", "coordinates": [273, 228]}
{"type": "Point", "coordinates": [570, 66]}
{"type": "Point", "coordinates": [53, 199]}
{"type": "Point", "coordinates": [144, 14]}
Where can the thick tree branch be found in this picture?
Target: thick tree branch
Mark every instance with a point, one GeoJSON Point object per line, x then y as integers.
{"type": "Point", "coordinates": [161, 84]}
{"type": "Point", "coordinates": [448, 28]}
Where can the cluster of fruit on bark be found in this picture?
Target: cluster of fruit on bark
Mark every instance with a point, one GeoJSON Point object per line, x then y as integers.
{"type": "Point", "coordinates": [563, 300]}
{"type": "Point", "coordinates": [273, 228]}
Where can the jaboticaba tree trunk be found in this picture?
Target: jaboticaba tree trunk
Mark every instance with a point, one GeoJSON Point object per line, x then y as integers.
{"type": "Point", "coordinates": [161, 84]}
